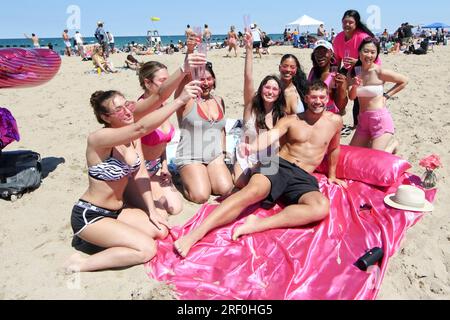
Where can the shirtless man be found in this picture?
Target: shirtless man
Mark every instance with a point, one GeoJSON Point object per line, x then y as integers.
{"type": "Point", "coordinates": [35, 40]}
{"type": "Point", "coordinates": [306, 139]}
{"type": "Point", "coordinates": [66, 39]}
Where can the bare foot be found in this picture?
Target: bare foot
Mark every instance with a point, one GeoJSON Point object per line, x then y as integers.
{"type": "Point", "coordinates": [184, 245]}
{"type": "Point", "coordinates": [74, 263]}
{"type": "Point", "coordinates": [247, 228]}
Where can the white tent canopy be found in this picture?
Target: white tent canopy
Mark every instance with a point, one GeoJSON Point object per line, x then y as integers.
{"type": "Point", "coordinates": [304, 21]}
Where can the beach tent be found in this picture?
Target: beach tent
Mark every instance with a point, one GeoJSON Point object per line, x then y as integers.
{"type": "Point", "coordinates": [304, 22]}
{"type": "Point", "coordinates": [436, 25]}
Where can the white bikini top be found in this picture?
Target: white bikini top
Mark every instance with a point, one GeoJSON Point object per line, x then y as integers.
{"type": "Point", "coordinates": [370, 91]}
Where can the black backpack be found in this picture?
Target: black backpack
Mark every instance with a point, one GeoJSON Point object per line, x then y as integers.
{"type": "Point", "coordinates": [20, 172]}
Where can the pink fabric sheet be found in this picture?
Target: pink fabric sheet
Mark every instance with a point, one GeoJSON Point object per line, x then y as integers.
{"type": "Point", "coordinates": [311, 263]}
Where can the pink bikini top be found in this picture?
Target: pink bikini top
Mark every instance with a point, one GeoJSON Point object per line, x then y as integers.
{"type": "Point", "coordinates": [157, 137]}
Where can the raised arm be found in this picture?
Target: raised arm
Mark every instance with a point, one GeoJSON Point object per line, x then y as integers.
{"type": "Point", "coordinates": [249, 87]}
{"type": "Point", "coordinates": [111, 137]}
{"type": "Point", "coordinates": [149, 105]}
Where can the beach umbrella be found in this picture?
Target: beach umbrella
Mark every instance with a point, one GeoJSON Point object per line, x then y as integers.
{"type": "Point", "coordinates": [436, 25]}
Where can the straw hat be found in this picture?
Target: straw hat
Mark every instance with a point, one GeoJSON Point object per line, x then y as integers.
{"type": "Point", "coordinates": [409, 198]}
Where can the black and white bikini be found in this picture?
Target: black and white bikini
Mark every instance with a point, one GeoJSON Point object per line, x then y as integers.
{"type": "Point", "coordinates": [113, 169]}
{"type": "Point", "coordinates": [84, 213]}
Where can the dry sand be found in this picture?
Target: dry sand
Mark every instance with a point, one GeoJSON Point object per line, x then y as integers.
{"type": "Point", "coordinates": [55, 119]}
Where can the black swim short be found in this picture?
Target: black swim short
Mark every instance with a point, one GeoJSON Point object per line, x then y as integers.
{"type": "Point", "coordinates": [289, 183]}
{"type": "Point", "coordinates": [85, 214]}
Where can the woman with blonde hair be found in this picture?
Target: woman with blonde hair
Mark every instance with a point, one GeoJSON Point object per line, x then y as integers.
{"type": "Point", "coordinates": [99, 61]}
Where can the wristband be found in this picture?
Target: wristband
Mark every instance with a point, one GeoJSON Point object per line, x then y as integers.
{"type": "Point", "coordinates": [386, 96]}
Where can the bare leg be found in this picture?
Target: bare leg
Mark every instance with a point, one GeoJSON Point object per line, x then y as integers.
{"type": "Point", "coordinates": [391, 146]}
{"type": "Point", "coordinates": [127, 246]}
{"type": "Point", "coordinates": [360, 141]}
{"type": "Point", "coordinates": [239, 177]}
{"type": "Point", "coordinates": [197, 186]}
{"type": "Point", "coordinates": [383, 142]}
{"type": "Point", "coordinates": [166, 196]}
{"type": "Point", "coordinates": [312, 207]}
{"type": "Point", "coordinates": [257, 190]}
{"type": "Point", "coordinates": [220, 178]}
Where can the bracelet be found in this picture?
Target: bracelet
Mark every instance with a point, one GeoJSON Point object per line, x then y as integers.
{"type": "Point", "coordinates": [386, 96]}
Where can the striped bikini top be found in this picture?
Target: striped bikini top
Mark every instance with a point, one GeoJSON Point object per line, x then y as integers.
{"type": "Point", "coordinates": [113, 169]}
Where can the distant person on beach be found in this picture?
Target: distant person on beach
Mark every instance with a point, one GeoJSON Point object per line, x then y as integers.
{"type": "Point", "coordinates": [119, 235]}
{"type": "Point", "coordinates": [256, 35]}
{"type": "Point", "coordinates": [323, 59]}
{"type": "Point", "coordinates": [111, 42]}
{"type": "Point", "coordinates": [201, 153]}
{"type": "Point", "coordinates": [132, 63]}
{"type": "Point", "coordinates": [346, 46]}
{"type": "Point", "coordinates": [188, 31]}
{"type": "Point", "coordinates": [321, 31]}
{"type": "Point", "coordinates": [68, 45]}
{"type": "Point", "coordinates": [34, 39]}
{"type": "Point", "coordinates": [102, 38]}
{"type": "Point", "coordinates": [375, 127]}
{"type": "Point", "coordinates": [79, 44]}
{"type": "Point", "coordinates": [294, 82]}
{"type": "Point", "coordinates": [309, 137]}
{"type": "Point", "coordinates": [207, 35]}
{"type": "Point", "coordinates": [232, 41]}
{"type": "Point", "coordinates": [262, 110]}
{"type": "Point", "coordinates": [266, 42]}
{"type": "Point", "coordinates": [100, 61]}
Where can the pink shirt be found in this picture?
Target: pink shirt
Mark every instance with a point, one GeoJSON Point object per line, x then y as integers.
{"type": "Point", "coordinates": [340, 45]}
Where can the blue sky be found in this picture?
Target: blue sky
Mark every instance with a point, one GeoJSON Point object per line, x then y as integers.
{"type": "Point", "coordinates": [48, 18]}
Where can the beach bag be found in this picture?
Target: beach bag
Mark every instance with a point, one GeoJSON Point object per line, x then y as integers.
{"type": "Point", "coordinates": [20, 172]}
{"type": "Point", "coordinates": [8, 128]}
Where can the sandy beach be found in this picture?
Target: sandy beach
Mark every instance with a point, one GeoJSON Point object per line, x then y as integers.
{"type": "Point", "coordinates": [55, 120]}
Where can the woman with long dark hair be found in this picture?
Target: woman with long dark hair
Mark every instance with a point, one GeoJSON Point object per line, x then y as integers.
{"type": "Point", "coordinates": [376, 127]}
{"type": "Point", "coordinates": [262, 110]}
{"type": "Point", "coordinates": [347, 43]}
{"type": "Point", "coordinates": [294, 83]}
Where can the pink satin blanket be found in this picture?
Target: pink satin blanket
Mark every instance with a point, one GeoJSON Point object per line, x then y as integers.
{"type": "Point", "coordinates": [313, 262]}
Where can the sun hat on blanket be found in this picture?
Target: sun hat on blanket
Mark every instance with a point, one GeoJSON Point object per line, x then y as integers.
{"type": "Point", "coordinates": [409, 198]}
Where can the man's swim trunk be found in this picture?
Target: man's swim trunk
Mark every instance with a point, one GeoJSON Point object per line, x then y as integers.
{"type": "Point", "coordinates": [289, 182]}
